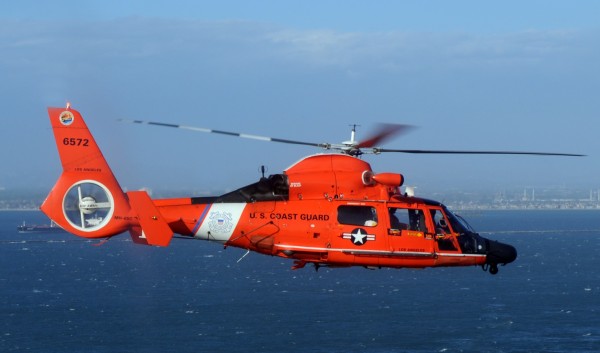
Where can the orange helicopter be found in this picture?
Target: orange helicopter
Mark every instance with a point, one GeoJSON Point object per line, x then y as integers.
{"type": "Point", "coordinates": [328, 209]}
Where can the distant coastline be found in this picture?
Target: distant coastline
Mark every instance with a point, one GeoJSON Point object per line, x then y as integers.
{"type": "Point", "coordinates": [523, 209]}
{"type": "Point", "coordinates": [451, 206]}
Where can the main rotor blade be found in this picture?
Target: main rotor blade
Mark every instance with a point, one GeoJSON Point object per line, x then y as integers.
{"type": "Point", "coordinates": [381, 150]}
{"type": "Point", "coordinates": [229, 133]}
{"type": "Point", "coordinates": [384, 132]}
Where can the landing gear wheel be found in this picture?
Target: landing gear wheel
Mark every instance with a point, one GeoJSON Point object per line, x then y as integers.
{"type": "Point", "coordinates": [493, 269]}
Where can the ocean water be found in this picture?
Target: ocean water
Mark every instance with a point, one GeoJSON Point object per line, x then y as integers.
{"type": "Point", "coordinates": [59, 293]}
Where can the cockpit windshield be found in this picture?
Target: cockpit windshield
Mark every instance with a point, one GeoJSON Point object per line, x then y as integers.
{"type": "Point", "coordinates": [459, 224]}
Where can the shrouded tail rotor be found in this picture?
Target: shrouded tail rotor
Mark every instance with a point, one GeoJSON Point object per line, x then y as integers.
{"type": "Point", "coordinates": [88, 205]}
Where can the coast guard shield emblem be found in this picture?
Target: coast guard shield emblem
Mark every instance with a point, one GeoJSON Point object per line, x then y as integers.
{"type": "Point", "coordinates": [220, 222]}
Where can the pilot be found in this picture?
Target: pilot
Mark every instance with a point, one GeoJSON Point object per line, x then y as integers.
{"type": "Point", "coordinates": [442, 227]}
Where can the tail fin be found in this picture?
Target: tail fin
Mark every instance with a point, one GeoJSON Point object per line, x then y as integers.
{"type": "Point", "coordinates": [87, 200]}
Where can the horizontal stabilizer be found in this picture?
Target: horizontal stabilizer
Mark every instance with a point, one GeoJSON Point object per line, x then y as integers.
{"type": "Point", "coordinates": [154, 229]}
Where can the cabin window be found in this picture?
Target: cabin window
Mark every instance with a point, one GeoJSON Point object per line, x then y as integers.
{"type": "Point", "coordinates": [357, 215]}
{"type": "Point", "coordinates": [407, 219]}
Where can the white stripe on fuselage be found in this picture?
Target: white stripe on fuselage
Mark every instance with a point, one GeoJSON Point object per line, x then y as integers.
{"type": "Point", "coordinates": [220, 222]}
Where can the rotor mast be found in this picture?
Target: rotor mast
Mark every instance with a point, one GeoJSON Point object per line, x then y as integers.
{"type": "Point", "coordinates": [353, 134]}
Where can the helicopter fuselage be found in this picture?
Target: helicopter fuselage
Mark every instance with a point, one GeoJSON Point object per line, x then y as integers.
{"type": "Point", "coordinates": [337, 219]}
{"type": "Point", "coordinates": [327, 209]}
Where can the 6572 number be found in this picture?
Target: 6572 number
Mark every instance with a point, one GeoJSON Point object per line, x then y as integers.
{"type": "Point", "coordinates": [72, 141]}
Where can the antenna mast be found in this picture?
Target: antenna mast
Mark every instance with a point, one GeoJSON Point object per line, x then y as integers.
{"type": "Point", "coordinates": [353, 133]}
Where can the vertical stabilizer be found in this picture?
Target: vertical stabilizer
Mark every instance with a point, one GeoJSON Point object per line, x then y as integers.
{"type": "Point", "coordinates": [87, 199]}
{"type": "Point", "coordinates": [156, 231]}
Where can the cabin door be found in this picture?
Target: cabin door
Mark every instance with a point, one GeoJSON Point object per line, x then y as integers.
{"type": "Point", "coordinates": [408, 232]}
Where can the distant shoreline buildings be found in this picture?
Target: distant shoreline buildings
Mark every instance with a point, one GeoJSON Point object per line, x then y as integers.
{"type": "Point", "coordinates": [529, 199]}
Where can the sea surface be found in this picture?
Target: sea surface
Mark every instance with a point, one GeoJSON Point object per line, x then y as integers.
{"type": "Point", "coordinates": [60, 293]}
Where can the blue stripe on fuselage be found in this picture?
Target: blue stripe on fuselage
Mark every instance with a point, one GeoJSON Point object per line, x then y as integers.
{"type": "Point", "coordinates": [201, 219]}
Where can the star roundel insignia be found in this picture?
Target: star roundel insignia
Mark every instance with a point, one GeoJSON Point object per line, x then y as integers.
{"type": "Point", "coordinates": [359, 236]}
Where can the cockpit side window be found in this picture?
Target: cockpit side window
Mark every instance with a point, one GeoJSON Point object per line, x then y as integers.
{"type": "Point", "coordinates": [445, 238]}
{"type": "Point", "coordinates": [440, 222]}
{"type": "Point", "coordinates": [357, 215]}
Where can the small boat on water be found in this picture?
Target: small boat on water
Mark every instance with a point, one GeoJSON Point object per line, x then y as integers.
{"type": "Point", "coordinates": [40, 228]}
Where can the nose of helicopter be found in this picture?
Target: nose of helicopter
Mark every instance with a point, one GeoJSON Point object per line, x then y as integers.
{"type": "Point", "coordinates": [499, 253]}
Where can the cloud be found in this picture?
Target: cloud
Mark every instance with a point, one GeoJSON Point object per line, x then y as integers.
{"type": "Point", "coordinates": [403, 51]}
{"type": "Point", "coordinates": [245, 44]}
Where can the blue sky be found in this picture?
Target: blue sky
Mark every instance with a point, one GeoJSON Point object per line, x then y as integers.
{"type": "Point", "coordinates": [478, 75]}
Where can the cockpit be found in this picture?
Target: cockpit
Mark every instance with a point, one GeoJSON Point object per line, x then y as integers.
{"type": "Point", "coordinates": [451, 232]}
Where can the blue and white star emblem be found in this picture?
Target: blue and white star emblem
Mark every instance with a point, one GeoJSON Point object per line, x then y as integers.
{"type": "Point", "coordinates": [358, 236]}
